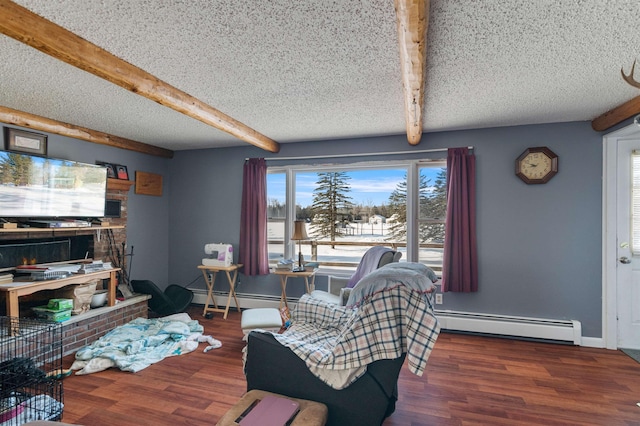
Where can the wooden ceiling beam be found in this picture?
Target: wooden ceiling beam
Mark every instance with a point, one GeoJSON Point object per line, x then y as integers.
{"type": "Point", "coordinates": [32, 121]}
{"type": "Point", "coordinates": [621, 112]}
{"type": "Point", "coordinates": [412, 18]}
{"type": "Point", "coordinates": [616, 115]}
{"type": "Point", "coordinates": [27, 27]}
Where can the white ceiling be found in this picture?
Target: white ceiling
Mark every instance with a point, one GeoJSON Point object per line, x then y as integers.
{"type": "Point", "coordinates": [302, 70]}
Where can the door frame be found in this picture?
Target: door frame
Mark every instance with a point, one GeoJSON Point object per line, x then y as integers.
{"type": "Point", "coordinates": [609, 232]}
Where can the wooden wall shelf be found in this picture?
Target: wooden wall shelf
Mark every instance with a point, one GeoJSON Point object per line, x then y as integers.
{"type": "Point", "coordinates": [119, 184]}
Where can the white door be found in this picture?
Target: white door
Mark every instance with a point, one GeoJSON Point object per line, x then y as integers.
{"type": "Point", "coordinates": [628, 253]}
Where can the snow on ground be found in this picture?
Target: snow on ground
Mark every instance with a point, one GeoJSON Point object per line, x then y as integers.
{"type": "Point", "coordinates": [359, 232]}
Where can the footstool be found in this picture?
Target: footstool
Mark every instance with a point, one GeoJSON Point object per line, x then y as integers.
{"type": "Point", "coordinates": [311, 413]}
{"type": "Point", "coordinates": [263, 318]}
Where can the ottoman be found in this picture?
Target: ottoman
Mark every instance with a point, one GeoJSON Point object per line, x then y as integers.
{"type": "Point", "coordinates": [263, 318]}
{"type": "Point", "coordinates": [311, 413]}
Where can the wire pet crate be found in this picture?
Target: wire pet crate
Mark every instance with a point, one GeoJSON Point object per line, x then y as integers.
{"type": "Point", "coordinates": [30, 371]}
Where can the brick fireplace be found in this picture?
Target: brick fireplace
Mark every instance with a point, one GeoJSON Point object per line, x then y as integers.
{"type": "Point", "coordinates": [39, 246]}
{"type": "Point", "coordinates": [106, 243]}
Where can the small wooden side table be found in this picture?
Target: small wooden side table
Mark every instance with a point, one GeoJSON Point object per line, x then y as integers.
{"type": "Point", "coordinates": [284, 275]}
{"type": "Point", "coordinates": [232, 275]}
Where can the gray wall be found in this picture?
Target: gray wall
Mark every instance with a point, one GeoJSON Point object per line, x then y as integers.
{"type": "Point", "coordinates": [148, 216]}
{"type": "Point", "coordinates": [539, 245]}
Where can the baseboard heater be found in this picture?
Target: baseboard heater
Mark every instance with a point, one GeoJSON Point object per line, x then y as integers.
{"type": "Point", "coordinates": [535, 328]}
{"type": "Point", "coordinates": [501, 325]}
{"type": "Point", "coordinates": [246, 300]}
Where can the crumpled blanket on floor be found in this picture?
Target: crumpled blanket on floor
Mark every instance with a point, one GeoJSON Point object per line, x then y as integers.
{"type": "Point", "coordinates": [140, 343]}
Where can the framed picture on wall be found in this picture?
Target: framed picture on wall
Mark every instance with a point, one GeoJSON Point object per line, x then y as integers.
{"type": "Point", "coordinates": [25, 142]}
{"type": "Point", "coordinates": [111, 169]}
{"type": "Point", "coordinates": [121, 172]}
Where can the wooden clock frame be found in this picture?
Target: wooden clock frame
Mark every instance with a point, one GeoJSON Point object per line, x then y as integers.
{"type": "Point", "coordinates": [546, 151]}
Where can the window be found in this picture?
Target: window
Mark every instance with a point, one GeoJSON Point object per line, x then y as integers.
{"type": "Point", "coordinates": [276, 215]}
{"type": "Point", "coordinates": [349, 209]}
{"type": "Point", "coordinates": [433, 212]}
{"type": "Point", "coordinates": [635, 203]}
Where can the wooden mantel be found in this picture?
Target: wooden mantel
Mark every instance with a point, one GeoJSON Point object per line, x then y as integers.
{"type": "Point", "coordinates": [119, 184]}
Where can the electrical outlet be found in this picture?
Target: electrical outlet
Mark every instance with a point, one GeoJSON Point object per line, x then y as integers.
{"type": "Point", "coordinates": [438, 298]}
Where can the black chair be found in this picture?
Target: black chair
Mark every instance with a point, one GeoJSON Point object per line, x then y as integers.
{"type": "Point", "coordinates": [275, 368]}
{"type": "Point", "coordinates": [173, 300]}
{"type": "Point", "coordinates": [392, 320]}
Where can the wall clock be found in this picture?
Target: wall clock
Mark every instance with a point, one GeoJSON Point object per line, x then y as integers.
{"type": "Point", "coordinates": [537, 165]}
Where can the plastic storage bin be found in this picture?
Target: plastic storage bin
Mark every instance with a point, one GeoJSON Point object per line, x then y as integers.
{"type": "Point", "coordinates": [44, 312]}
{"type": "Point", "coordinates": [60, 304]}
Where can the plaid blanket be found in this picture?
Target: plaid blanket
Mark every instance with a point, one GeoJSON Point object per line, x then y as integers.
{"type": "Point", "coordinates": [393, 320]}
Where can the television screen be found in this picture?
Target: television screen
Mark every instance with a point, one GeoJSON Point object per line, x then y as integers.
{"type": "Point", "coordinates": [34, 187]}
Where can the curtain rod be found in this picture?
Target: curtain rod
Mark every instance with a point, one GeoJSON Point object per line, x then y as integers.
{"type": "Point", "coordinates": [311, 157]}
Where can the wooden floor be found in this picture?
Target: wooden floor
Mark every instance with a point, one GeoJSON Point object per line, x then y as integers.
{"type": "Point", "coordinates": [470, 380]}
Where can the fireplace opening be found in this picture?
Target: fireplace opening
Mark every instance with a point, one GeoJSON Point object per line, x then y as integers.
{"type": "Point", "coordinates": [49, 250]}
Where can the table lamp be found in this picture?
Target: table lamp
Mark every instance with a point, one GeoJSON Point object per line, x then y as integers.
{"type": "Point", "coordinates": [299, 234]}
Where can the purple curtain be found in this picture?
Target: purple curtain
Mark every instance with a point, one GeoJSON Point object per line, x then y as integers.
{"type": "Point", "coordinates": [253, 218]}
{"type": "Point", "coordinates": [460, 265]}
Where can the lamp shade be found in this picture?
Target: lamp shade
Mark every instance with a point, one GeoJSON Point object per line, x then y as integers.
{"type": "Point", "coordinates": [299, 231]}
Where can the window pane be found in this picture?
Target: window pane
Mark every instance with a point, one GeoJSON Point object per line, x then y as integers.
{"type": "Point", "coordinates": [635, 203]}
{"type": "Point", "coordinates": [276, 214]}
{"type": "Point", "coordinates": [433, 211]}
{"type": "Point", "coordinates": [433, 193]}
{"type": "Point", "coordinates": [348, 211]}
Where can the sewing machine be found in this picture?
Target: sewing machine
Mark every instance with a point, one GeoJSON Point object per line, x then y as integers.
{"type": "Point", "coordinates": [220, 254]}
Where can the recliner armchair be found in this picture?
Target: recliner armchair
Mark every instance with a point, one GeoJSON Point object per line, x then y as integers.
{"type": "Point", "coordinates": [349, 357]}
{"type": "Point", "coordinates": [372, 398]}
{"type": "Point", "coordinates": [339, 287]}
{"type": "Point", "coordinates": [173, 300]}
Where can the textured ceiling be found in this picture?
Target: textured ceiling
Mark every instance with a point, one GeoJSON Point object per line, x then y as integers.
{"type": "Point", "coordinates": [318, 69]}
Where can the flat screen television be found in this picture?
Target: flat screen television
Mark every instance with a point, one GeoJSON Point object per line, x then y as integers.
{"type": "Point", "coordinates": [36, 187]}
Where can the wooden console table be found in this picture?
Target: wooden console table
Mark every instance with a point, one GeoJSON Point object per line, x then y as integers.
{"type": "Point", "coordinates": [213, 270]}
{"type": "Point", "coordinates": [17, 288]}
